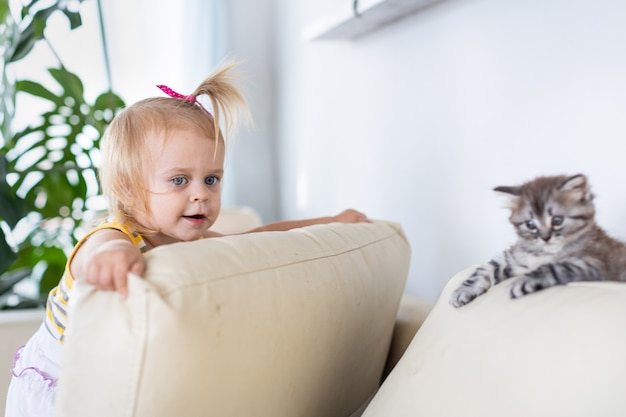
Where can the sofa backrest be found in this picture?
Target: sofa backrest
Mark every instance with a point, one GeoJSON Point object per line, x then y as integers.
{"type": "Point", "coordinates": [272, 324]}
{"type": "Point", "coordinates": [559, 352]}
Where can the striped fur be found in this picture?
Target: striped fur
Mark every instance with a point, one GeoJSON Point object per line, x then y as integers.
{"type": "Point", "coordinates": [558, 242]}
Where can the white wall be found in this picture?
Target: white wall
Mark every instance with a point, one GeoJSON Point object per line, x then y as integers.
{"type": "Point", "coordinates": [252, 178]}
{"type": "Point", "coordinates": [415, 123]}
{"type": "Point", "coordinates": [418, 121]}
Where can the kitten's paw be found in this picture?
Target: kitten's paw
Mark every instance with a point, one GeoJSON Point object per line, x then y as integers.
{"type": "Point", "coordinates": [464, 295]}
{"type": "Point", "coordinates": [525, 285]}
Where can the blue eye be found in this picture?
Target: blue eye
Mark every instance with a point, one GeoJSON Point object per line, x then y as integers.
{"type": "Point", "coordinates": [557, 220]}
{"type": "Point", "coordinates": [178, 181]}
{"type": "Point", "coordinates": [531, 225]}
{"type": "Point", "coordinates": [211, 180]}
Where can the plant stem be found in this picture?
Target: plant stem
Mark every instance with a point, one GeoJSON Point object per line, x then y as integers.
{"type": "Point", "coordinates": [54, 52]}
{"type": "Point", "coordinates": [105, 49]}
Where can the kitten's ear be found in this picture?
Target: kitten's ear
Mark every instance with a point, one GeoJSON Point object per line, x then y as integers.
{"type": "Point", "coordinates": [578, 186]}
{"type": "Point", "coordinates": [511, 194]}
{"type": "Point", "coordinates": [514, 191]}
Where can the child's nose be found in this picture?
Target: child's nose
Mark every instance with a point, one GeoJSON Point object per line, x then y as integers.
{"type": "Point", "coordinates": [199, 193]}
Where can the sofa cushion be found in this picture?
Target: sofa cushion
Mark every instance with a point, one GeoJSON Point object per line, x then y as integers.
{"type": "Point", "coordinates": [293, 323]}
{"type": "Point", "coordinates": [558, 352]}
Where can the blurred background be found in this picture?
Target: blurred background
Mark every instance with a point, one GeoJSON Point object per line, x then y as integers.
{"type": "Point", "coordinates": [414, 122]}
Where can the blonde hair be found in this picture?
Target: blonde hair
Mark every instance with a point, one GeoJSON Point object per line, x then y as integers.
{"type": "Point", "coordinates": [124, 143]}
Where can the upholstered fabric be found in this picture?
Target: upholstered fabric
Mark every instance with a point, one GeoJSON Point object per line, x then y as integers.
{"type": "Point", "coordinates": [272, 324]}
{"type": "Point", "coordinates": [412, 313]}
{"type": "Point", "coordinates": [556, 353]}
{"type": "Point", "coordinates": [236, 220]}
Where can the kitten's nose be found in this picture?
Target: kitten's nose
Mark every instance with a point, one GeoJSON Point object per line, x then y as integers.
{"type": "Point", "coordinates": [546, 237]}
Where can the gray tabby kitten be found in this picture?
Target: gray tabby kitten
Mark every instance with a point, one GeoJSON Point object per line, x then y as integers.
{"type": "Point", "coordinates": [558, 242]}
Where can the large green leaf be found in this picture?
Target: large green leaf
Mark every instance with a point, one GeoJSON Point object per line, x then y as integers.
{"type": "Point", "coordinates": [108, 100]}
{"type": "Point", "coordinates": [74, 18]}
{"type": "Point", "coordinates": [71, 83]}
{"type": "Point", "coordinates": [4, 10]}
{"type": "Point", "coordinates": [50, 177]}
{"type": "Point", "coordinates": [38, 90]}
{"type": "Point", "coordinates": [39, 20]}
{"type": "Point", "coordinates": [104, 108]}
{"type": "Point", "coordinates": [55, 266]}
{"type": "Point", "coordinates": [28, 38]}
{"type": "Point", "coordinates": [46, 154]}
{"type": "Point", "coordinates": [49, 162]}
{"type": "Point", "coordinates": [53, 258]}
{"type": "Point", "coordinates": [12, 208]}
{"type": "Point", "coordinates": [24, 46]}
{"type": "Point", "coordinates": [7, 256]}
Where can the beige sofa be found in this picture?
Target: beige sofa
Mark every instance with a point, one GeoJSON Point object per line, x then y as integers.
{"type": "Point", "coordinates": [299, 324]}
{"type": "Point", "coordinates": [560, 352]}
{"type": "Point", "coordinates": [17, 326]}
{"type": "Point", "coordinates": [295, 323]}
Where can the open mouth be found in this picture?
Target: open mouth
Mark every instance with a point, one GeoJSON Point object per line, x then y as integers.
{"type": "Point", "coordinates": [196, 217]}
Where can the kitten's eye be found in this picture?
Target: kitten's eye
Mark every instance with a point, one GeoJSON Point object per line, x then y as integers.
{"type": "Point", "coordinates": [178, 181]}
{"type": "Point", "coordinates": [531, 225]}
{"type": "Point", "coordinates": [557, 220]}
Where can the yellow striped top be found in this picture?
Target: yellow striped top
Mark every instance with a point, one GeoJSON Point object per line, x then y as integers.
{"type": "Point", "coordinates": [59, 297]}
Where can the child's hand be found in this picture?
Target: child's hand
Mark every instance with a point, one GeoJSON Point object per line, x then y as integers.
{"type": "Point", "coordinates": [107, 265]}
{"type": "Point", "coordinates": [346, 216]}
{"type": "Point", "coordinates": [350, 216]}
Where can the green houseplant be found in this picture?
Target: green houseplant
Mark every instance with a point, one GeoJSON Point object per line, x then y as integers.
{"type": "Point", "coordinates": [47, 168]}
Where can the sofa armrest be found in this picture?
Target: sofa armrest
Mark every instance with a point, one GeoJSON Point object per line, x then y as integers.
{"type": "Point", "coordinates": [557, 352]}
{"type": "Point", "coordinates": [411, 315]}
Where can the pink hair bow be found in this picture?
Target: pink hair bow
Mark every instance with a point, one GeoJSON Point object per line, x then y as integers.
{"type": "Point", "coordinates": [190, 99]}
{"type": "Point", "coordinates": [174, 94]}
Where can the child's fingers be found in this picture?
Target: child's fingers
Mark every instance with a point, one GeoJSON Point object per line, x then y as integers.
{"type": "Point", "coordinates": [360, 217]}
{"type": "Point", "coordinates": [120, 281]}
{"type": "Point", "coordinates": [352, 216]}
{"type": "Point", "coordinates": [138, 268]}
{"type": "Point", "coordinates": [98, 276]}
